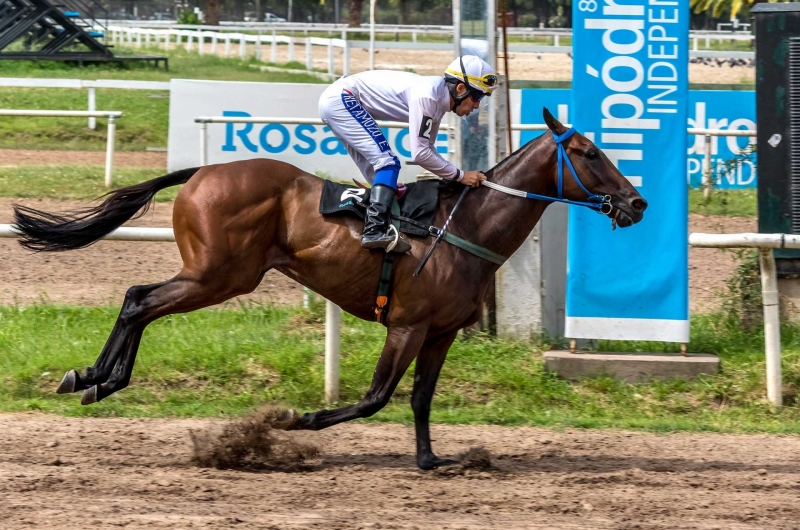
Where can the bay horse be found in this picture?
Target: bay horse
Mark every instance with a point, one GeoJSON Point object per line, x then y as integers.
{"type": "Point", "coordinates": [233, 222]}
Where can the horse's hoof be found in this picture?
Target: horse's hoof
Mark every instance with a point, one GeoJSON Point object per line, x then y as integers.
{"type": "Point", "coordinates": [287, 421]}
{"type": "Point", "coordinates": [69, 383]}
{"type": "Point", "coordinates": [89, 396]}
{"type": "Point", "coordinates": [427, 464]}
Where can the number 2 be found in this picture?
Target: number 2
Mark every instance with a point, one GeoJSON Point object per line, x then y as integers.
{"type": "Point", "coordinates": [425, 127]}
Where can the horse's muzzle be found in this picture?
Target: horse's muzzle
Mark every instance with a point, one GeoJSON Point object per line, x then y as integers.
{"type": "Point", "coordinates": [628, 212]}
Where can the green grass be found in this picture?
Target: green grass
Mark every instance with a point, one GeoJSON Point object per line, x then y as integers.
{"type": "Point", "coordinates": [72, 182]}
{"type": "Point", "coordinates": [737, 203]}
{"type": "Point", "coordinates": [145, 119]}
{"type": "Point", "coordinates": [727, 45]}
{"type": "Point", "coordinates": [182, 65]}
{"type": "Point", "coordinates": [225, 362]}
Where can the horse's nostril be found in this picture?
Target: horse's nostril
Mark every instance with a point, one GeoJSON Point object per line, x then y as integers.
{"type": "Point", "coordinates": [639, 205]}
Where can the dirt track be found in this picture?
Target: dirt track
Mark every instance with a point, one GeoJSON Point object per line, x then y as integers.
{"type": "Point", "coordinates": [104, 473]}
{"type": "Point", "coordinates": [102, 273]}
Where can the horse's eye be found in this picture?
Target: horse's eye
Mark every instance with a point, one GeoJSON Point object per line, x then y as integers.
{"type": "Point", "coordinates": [592, 154]}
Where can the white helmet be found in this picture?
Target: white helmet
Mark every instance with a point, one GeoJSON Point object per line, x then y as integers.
{"type": "Point", "coordinates": [473, 71]}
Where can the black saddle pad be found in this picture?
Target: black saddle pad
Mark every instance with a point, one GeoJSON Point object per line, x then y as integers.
{"type": "Point", "coordinates": [418, 203]}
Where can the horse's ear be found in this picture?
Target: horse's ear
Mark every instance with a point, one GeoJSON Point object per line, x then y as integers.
{"type": "Point", "coordinates": [552, 123]}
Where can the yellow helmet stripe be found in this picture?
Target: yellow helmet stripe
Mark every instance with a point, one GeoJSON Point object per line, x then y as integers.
{"type": "Point", "coordinates": [477, 81]}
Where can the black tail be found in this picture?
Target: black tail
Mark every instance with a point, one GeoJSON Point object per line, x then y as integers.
{"type": "Point", "coordinates": [50, 232]}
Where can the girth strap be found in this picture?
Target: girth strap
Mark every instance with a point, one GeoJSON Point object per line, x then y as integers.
{"type": "Point", "coordinates": [472, 248]}
{"type": "Point", "coordinates": [385, 281]}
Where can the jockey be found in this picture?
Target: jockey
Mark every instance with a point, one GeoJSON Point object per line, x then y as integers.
{"type": "Point", "coordinates": [351, 105]}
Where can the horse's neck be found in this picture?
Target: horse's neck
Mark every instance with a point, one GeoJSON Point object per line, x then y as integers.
{"type": "Point", "coordinates": [503, 221]}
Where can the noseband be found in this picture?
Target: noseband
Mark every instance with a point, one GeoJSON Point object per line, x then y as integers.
{"type": "Point", "coordinates": [600, 203]}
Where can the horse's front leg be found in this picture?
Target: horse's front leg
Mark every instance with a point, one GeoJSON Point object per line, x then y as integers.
{"type": "Point", "coordinates": [429, 363]}
{"type": "Point", "coordinates": [401, 346]}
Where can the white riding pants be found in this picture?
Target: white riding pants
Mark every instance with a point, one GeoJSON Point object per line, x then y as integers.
{"type": "Point", "coordinates": [357, 130]}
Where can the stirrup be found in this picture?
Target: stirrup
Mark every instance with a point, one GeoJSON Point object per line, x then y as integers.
{"type": "Point", "coordinates": [390, 246]}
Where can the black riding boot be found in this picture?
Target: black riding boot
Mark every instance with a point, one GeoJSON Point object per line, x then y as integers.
{"type": "Point", "coordinates": [376, 223]}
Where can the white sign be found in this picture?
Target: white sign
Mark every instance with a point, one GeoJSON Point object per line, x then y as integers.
{"type": "Point", "coordinates": [312, 148]}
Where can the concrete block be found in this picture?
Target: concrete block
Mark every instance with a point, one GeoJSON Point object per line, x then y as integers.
{"type": "Point", "coordinates": [789, 289]}
{"type": "Point", "coordinates": [631, 367]}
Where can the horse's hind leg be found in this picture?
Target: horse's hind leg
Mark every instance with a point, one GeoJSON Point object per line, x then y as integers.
{"type": "Point", "coordinates": [143, 305]}
{"type": "Point", "coordinates": [115, 345]}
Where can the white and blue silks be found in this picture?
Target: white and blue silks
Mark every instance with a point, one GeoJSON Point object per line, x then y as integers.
{"type": "Point", "coordinates": [352, 103]}
{"type": "Point", "coordinates": [362, 137]}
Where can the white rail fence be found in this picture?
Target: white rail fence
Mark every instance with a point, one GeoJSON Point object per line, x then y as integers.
{"type": "Point", "coordinates": [91, 86]}
{"type": "Point", "coordinates": [696, 36]}
{"type": "Point", "coordinates": [332, 311]}
{"type": "Point", "coordinates": [139, 37]}
{"type": "Point", "coordinates": [111, 115]}
{"type": "Point", "coordinates": [166, 38]}
{"type": "Point", "coordinates": [769, 293]}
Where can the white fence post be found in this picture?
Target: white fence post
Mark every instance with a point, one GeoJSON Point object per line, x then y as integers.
{"type": "Point", "coordinates": [242, 47]}
{"type": "Point", "coordinates": [214, 43]}
{"type": "Point", "coordinates": [203, 143]}
{"type": "Point", "coordinates": [706, 181]}
{"type": "Point", "coordinates": [258, 48]}
{"type": "Point", "coordinates": [201, 40]}
{"type": "Point", "coordinates": [371, 34]}
{"type": "Point", "coordinates": [333, 317]}
{"type": "Point", "coordinates": [331, 68]}
{"type": "Point", "coordinates": [772, 325]}
{"type": "Point", "coordinates": [189, 42]}
{"type": "Point", "coordinates": [346, 58]}
{"type": "Point", "coordinates": [273, 49]}
{"type": "Point", "coordinates": [92, 108]}
{"type": "Point", "coordinates": [138, 38]}
{"type": "Point", "coordinates": [291, 47]}
{"type": "Point", "coordinates": [227, 45]}
{"type": "Point", "coordinates": [112, 129]}
{"type": "Point", "coordinates": [309, 56]}
{"type": "Point", "coordinates": [765, 243]}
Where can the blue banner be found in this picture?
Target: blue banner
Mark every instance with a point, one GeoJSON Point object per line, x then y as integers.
{"type": "Point", "coordinates": [733, 163]}
{"type": "Point", "coordinates": [630, 96]}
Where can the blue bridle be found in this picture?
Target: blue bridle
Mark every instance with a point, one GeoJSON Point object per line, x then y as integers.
{"type": "Point", "coordinates": [601, 203]}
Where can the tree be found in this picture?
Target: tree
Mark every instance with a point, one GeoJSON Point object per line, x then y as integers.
{"type": "Point", "coordinates": [717, 7]}
{"type": "Point", "coordinates": [212, 13]}
{"type": "Point", "coordinates": [354, 13]}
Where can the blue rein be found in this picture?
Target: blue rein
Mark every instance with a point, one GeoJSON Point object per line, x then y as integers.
{"type": "Point", "coordinates": [601, 203]}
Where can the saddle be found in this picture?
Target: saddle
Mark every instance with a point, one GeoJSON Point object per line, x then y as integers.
{"type": "Point", "coordinates": [411, 214]}
{"type": "Point", "coordinates": [417, 206]}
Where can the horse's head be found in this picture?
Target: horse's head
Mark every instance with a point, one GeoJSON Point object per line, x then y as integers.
{"type": "Point", "coordinates": [597, 175]}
